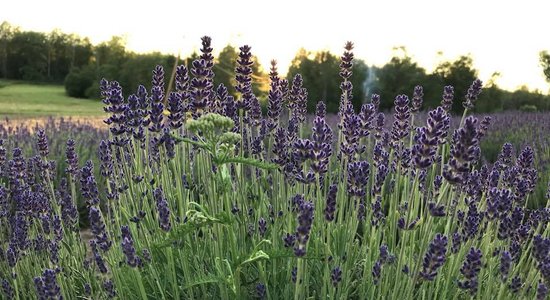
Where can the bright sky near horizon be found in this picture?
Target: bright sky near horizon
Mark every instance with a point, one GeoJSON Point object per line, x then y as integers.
{"type": "Point", "coordinates": [502, 36]}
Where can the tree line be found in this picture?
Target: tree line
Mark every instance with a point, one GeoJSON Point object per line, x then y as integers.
{"type": "Point", "coordinates": [58, 57]}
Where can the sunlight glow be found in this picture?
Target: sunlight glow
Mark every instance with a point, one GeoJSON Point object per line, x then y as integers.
{"type": "Point", "coordinates": [501, 36]}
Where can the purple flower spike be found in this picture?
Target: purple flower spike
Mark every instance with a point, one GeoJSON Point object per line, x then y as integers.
{"type": "Point", "coordinates": [542, 291]}
{"type": "Point", "coordinates": [417, 99]}
{"type": "Point", "coordinates": [72, 158]}
{"type": "Point", "coordinates": [128, 247]}
{"type": "Point", "coordinates": [336, 276]}
{"type": "Point", "coordinates": [505, 263]}
{"type": "Point", "coordinates": [358, 177]}
{"type": "Point", "coordinates": [8, 290]}
{"type": "Point", "coordinates": [46, 285]}
{"type": "Point", "coordinates": [346, 61]}
{"type": "Point", "coordinates": [401, 125]}
{"type": "Point", "coordinates": [305, 220]}
{"type": "Point", "coordinates": [470, 269]}
{"type": "Point", "coordinates": [448, 96]}
{"type": "Point", "coordinates": [42, 143]}
{"type": "Point", "coordinates": [98, 229]}
{"type": "Point", "coordinates": [330, 207]}
{"type": "Point", "coordinates": [163, 210]}
{"type": "Point", "coordinates": [473, 94]}
{"type": "Point", "coordinates": [463, 152]}
{"type": "Point", "coordinates": [435, 257]}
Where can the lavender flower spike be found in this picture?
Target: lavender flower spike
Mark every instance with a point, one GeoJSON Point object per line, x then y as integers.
{"type": "Point", "coordinates": [435, 257]}
{"type": "Point", "coordinates": [470, 269]}
{"type": "Point", "coordinates": [305, 220]}
{"type": "Point", "coordinates": [163, 210]}
{"type": "Point", "coordinates": [473, 94]}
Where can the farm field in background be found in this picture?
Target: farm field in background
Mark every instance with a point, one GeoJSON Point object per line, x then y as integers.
{"type": "Point", "coordinates": [24, 100]}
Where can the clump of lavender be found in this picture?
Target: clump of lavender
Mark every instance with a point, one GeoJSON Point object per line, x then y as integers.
{"type": "Point", "coordinates": [470, 269]}
{"type": "Point", "coordinates": [435, 257]}
{"type": "Point", "coordinates": [305, 221]}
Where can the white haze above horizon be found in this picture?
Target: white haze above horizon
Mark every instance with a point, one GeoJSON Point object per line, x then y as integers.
{"type": "Point", "coordinates": [501, 36]}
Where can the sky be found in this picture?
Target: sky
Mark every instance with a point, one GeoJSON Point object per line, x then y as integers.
{"type": "Point", "coordinates": [502, 36]}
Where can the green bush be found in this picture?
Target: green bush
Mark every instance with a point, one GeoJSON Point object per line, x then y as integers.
{"type": "Point", "coordinates": [78, 81]}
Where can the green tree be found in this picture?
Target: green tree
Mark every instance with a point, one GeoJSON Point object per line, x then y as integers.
{"type": "Point", "coordinates": [545, 63]}
{"type": "Point", "coordinates": [460, 74]}
{"type": "Point", "coordinates": [27, 52]}
{"type": "Point", "coordinates": [7, 31]}
{"type": "Point", "coordinates": [399, 76]}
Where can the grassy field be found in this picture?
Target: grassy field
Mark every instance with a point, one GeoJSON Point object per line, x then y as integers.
{"type": "Point", "coordinates": [24, 100]}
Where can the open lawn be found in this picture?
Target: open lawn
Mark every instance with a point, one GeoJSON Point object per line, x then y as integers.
{"type": "Point", "coordinates": [19, 99]}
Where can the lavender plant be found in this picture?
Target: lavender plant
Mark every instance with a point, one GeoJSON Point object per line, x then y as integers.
{"type": "Point", "coordinates": [200, 196]}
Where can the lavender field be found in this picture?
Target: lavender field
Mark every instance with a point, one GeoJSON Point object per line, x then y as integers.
{"type": "Point", "coordinates": [197, 194]}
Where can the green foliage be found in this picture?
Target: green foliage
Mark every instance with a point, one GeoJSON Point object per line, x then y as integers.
{"type": "Point", "coordinates": [79, 80]}
{"type": "Point", "coordinates": [399, 76]}
{"type": "Point", "coordinates": [544, 58]}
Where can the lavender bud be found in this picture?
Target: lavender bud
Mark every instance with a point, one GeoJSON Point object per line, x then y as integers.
{"type": "Point", "coordinates": [448, 96]}
{"type": "Point", "coordinates": [470, 269]}
{"type": "Point", "coordinates": [305, 220]}
{"type": "Point", "coordinates": [505, 263]}
{"type": "Point", "coordinates": [109, 288]}
{"type": "Point", "coordinates": [417, 98]}
{"type": "Point", "coordinates": [163, 210]}
{"type": "Point", "coordinates": [330, 207]}
{"type": "Point", "coordinates": [261, 291]}
{"type": "Point", "coordinates": [262, 227]}
{"type": "Point", "coordinates": [336, 276]}
{"type": "Point", "coordinates": [473, 94]}
{"type": "Point", "coordinates": [376, 271]}
{"type": "Point", "coordinates": [434, 258]}
{"type": "Point", "coordinates": [542, 291]}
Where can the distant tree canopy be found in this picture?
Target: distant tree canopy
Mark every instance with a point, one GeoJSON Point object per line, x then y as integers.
{"type": "Point", "coordinates": [545, 63]}
{"type": "Point", "coordinates": [37, 56]}
{"type": "Point", "coordinates": [58, 57]}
